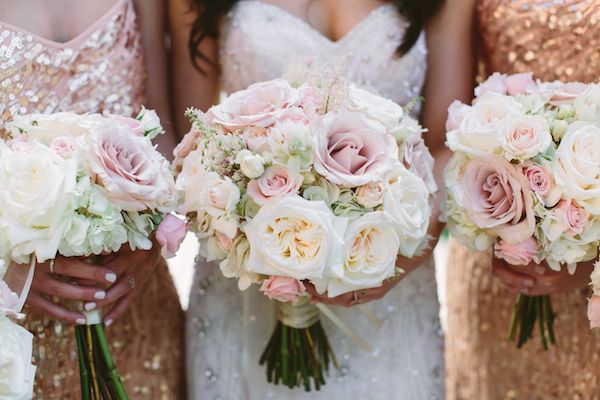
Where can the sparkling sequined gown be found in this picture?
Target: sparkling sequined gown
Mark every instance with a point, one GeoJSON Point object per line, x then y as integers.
{"type": "Point", "coordinates": [101, 70]}
{"type": "Point", "coordinates": [554, 40]}
{"type": "Point", "coordinates": [228, 329]}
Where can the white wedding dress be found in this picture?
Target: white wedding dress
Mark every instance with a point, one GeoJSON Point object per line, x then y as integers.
{"type": "Point", "coordinates": [227, 329]}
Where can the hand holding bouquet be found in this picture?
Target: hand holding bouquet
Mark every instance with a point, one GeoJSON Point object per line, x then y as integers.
{"type": "Point", "coordinates": [524, 179]}
{"type": "Point", "coordinates": [319, 183]}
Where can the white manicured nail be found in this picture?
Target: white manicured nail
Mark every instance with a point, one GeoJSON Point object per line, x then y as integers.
{"type": "Point", "coordinates": [80, 321]}
{"type": "Point", "coordinates": [108, 323]}
{"type": "Point", "coordinates": [89, 306]}
{"type": "Point", "coordinates": [100, 295]}
{"type": "Point", "coordinates": [111, 277]}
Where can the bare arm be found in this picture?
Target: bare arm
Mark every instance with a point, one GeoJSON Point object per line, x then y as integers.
{"type": "Point", "coordinates": [450, 76]}
{"type": "Point", "coordinates": [191, 88]}
{"type": "Point", "coordinates": [151, 14]}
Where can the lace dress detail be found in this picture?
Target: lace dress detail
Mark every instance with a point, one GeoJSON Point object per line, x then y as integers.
{"type": "Point", "coordinates": [554, 40]}
{"type": "Point", "coordinates": [228, 329]}
{"type": "Point", "coordinates": [101, 70]}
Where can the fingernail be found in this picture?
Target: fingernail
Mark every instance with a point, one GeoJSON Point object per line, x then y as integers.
{"type": "Point", "coordinates": [540, 270]}
{"type": "Point", "coordinates": [80, 321]}
{"type": "Point", "coordinates": [108, 322]}
{"type": "Point", "coordinates": [89, 306]}
{"type": "Point", "coordinates": [528, 282]}
{"type": "Point", "coordinates": [111, 277]}
{"type": "Point", "coordinates": [100, 295]}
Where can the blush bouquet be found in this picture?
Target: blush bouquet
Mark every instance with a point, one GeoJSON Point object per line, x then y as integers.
{"type": "Point", "coordinates": [316, 183]}
{"type": "Point", "coordinates": [83, 186]}
{"type": "Point", "coordinates": [525, 180]}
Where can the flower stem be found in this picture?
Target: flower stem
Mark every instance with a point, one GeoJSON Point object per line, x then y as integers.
{"type": "Point", "coordinates": [114, 380]}
{"type": "Point", "coordinates": [90, 355]}
{"type": "Point", "coordinates": [84, 375]}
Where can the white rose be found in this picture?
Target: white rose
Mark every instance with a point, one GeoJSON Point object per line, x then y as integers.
{"type": "Point", "coordinates": [369, 255]}
{"type": "Point", "coordinates": [480, 128]}
{"type": "Point", "coordinates": [296, 238]}
{"type": "Point", "coordinates": [406, 202]}
{"type": "Point", "coordinates": [577, 165]}
{"type": "Point", "coordinates": [212, 250]}
{"type": "Point", "coordinates": [37, 190]}
{"type": "Point", "coordinates": [587, 104]}
{"type": "Point", "coordinates": [17, 374]}
{"type": "Point", "coordinates": [45, 127]}
{"type": "Point", "coordinates": [569, 251]}
{"type": "Point", "coordinates": [190, 182]}
{"type": "Point", "coordinates": [219, 196]}
{"type": "Point", "coordinates": [203, 227]}
{"type": "Point", "coordinates": [525, 137]}
{"type": "Point", "coordinates": [226, 224]}
{"type": "Point", "coordinates": [252, 165]}
{"type": "Point", "coordinates": [235, 265]}
{"type": "Point", "coordinates": [376, 107]}
{"type": "Point", "coordinates": [150, 122]}
{"type": "Point", "coordinates": [370, 195]}
{"type": "Point", "coordinates": [595, 278]}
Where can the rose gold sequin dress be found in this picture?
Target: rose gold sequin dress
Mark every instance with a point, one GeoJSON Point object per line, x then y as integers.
{"type": "Point", "coordinates": [555, 39]}
{"type": "Point", "coordinates": [101, 70]}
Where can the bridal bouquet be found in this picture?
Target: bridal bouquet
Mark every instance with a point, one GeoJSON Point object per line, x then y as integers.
{"type": "Point", "coordinates": [84, 185]}
{"type": "Point", "coordinates": [288, 184]}
{"type": "Point", "coordinates": [525, 179]}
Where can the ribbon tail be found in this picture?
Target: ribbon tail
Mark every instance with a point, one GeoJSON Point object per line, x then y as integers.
{"type": "Point", "coordinates": [370, 314]}
{"type": "Point", "coordinates": [26, 286]}
{"type": "Point", "coordinates": [343, 327]}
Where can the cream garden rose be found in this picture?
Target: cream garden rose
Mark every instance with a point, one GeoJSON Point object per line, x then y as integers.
{"type": "Point", "coordinates": [525, 137]}
{"type": "Point", "coordinates": [378, 108]}
{"type": "Point", "coordinates": [577, 165]}
{"type": "Point", "coordinates": [296, 238]}
{"type": "Point", "coordinates": [219, 195]}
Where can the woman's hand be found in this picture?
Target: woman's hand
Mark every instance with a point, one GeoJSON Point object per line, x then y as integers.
{"type": "Point", "coordinates": [59, 281]}
{"type": "Point", "coordinates": [133, 270]}
{"type": "Point", "coordinates": [539, 280]}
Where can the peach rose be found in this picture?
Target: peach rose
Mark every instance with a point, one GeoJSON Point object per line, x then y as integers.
{"type": "Point", "coordinates": [283, 289]}
{"type": "Point", "coordinates": [517, 253]}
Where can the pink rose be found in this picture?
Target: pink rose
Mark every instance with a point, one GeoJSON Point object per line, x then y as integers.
{"type": "Point", "coordinates": [170, 233]}
{"type": "Point", "coordinates": [525, 137]}
{"type": "Point", "coordinates": [517, 253]}
{"type": "Point", "coordinates": [134, 174]}
{"type": "Point", "coordinates": [261, 104]}
{"type": "Point", "coordinates": [63, 146]}
{"type": "Point", "coordinates": [495, 83]}
{"type": "Point", "coordinates": [593, 312]}
{"type": "Point", "coordinates": [370, 195]}
{"type": "Point", "coordinates": [283, 289]}
{"type": "Point", "coordinates": [456, 113]}
{"type": "Point", "coordinates": [276, 182]}
{"type": "Point", "coordinates": [8, 300]}
{"type": "Point", "coordinates": [255, 137]}
{"type": "Point", "coordinates": [539, 179]}
{"type": "Point", "coordinates": [574, 218]}
{"type": "Point", "coordinates": [297, 115]}
{"type": "Point", "coordinates": [519, 83]}
{"type": "Point", "coordinates": [419, 161]}
{"type": "Point", "coordinates": [560, 93]}
{"type": "Point", "coordinates": [187, 144]}
{"type": "Point", "coordinates": [352, 150]}
{"type": "Point", "coordinates": [310, 99]}
{"type": "Point", "coordinates": [133, 124]}
{"type": "Point", "coordinates": [497, 198]}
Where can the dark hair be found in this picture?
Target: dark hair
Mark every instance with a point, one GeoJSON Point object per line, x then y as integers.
{"type": "Point", "coordinates": [211, 12]}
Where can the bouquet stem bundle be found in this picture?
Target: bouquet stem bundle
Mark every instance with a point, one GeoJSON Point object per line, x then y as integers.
{"type": "Point", "coordinates": [99, 377]}
{"type": "Point", "coordinates": [298, 350]}
{"type": "Point", "coordinates": [530, 310]}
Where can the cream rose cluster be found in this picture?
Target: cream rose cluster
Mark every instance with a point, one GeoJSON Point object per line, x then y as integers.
{"type": "Point", "coordinates": [525, 174]}
{"type": "Point", "coordinates": [318, 181]}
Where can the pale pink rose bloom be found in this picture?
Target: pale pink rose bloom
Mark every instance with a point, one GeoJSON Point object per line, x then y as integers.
{"type": "Point", "coordinates": [282, 288]}
{"type": "Point", "coordinates": [497, 198]}
{"type": "Point", "coordinates": [63, 146]}
{"type": "Point", "coordinates": [136, 177]}
{"type": "Point", "coordinates": [517, 253]}
{"type": "Point", "coordinates": [560, 93]}
{"type": "Point", "coordinates": [21, 144]}
{"type": "Point", "coordinates": [456, 113]}
{"type": "Point", "coordinates": [370, 195]}
{"type": "Point", "coordinates": [170, 233]}
{"type": "Point", "coordinates": [256, 137]}
{"type": "Point", "coordinates": [297, 115]}
{"type": "Point", "coordinates": [8, 300]}
{"type": "Point", "coordinates": [135, 125]}
{"type": "Point", "coordinates": [310, 100]}
{"type": "Point", "coordinates": [352, 150]}
{"type": "Point", "coordinates": [261, 104]}
{"type": "Point", "coordinates": [224, 241]}
{"type": "Point", "coordinates": [539, 178]}
{"type": "Point", "coordinates": [187, 144]}
{"type": "Point", "coordinates": [573, 217]}
{"type": "Point", "coordinates": [495, 83]}
{"type": "Point", "coordinates": [593, 311]}
{"type": "Point", "coordinates": [519, 83]}
{"type": "Point", "coordinates": [276, 182]}
{"type": "Point", "coordinates": [419, 161]}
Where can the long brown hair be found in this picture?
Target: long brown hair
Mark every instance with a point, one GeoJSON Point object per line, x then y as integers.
{"type": "Point", "coordinates": [211, 12]}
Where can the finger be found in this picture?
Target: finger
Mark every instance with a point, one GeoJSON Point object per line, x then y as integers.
{"type": "Point", "coordinates": [65, 290]}
{"type": "Point", "coordinates": [44, 306]}
{"type": "Point", "coordinates": [119, 309]}
{"type": "Point", "coordinates": [114, 293]}
{"type": "Point", "coordinates": [511, 277]}
{"type": "Point", "coordinates": [516, 289]}
{"type": "Point", "coordinates": [78, 269]}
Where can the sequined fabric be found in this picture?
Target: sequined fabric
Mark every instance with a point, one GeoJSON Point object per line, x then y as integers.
{"type": "Point", "coordinates": [101, 70]}
{"type": "Point", "coordinates": [227, 329]}
{"type": "Point", "coordinates": [554, 40]}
